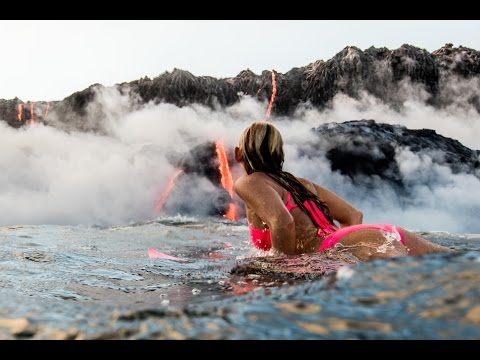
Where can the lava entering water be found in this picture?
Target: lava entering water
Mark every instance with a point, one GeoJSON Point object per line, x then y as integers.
{"type": "Point", "coordinates": [226, 178]}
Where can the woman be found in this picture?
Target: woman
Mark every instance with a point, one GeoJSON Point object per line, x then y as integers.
{"type": "Point", "coordinates": [294, 215]}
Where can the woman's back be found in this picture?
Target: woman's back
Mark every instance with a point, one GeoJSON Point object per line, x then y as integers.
{"type": "Point", "coordinates": [306, 238]}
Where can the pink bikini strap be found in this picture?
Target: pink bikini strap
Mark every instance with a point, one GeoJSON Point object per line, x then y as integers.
{"type": "Point", "coordinates": [289, 204]}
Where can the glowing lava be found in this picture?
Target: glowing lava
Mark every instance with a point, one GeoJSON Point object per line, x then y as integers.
{"type": "Point", "coordinates": [272, 98]}
{"type": "Point", "coordinates": [226, 178]}
{"type": "Point", "coordinates": [20, 110]}
{"type": "Point", "coordinates": [163, 198]}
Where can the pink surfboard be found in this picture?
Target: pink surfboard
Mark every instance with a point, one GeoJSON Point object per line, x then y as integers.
{"type": "Point", "coordinates": [155, 254]}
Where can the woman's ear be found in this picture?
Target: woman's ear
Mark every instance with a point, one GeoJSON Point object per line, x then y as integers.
{"type": "Point", "coordinates": [238, 154]}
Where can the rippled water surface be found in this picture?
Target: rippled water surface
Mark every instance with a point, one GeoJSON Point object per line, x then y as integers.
{"type": "Point", "coordinates": [93, 282]}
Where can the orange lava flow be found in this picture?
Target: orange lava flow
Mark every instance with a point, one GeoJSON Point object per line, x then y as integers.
{"type": "Point", "coordinates": [163, 198]}
{"type": "Point", "coordinates": [20, 110]}
{"type": "Point", "coordinates": [272, 98]}
{"type": "Point", "coordinates": [32, 119]}
{"type": "Point", "coordinates": [226, 178]}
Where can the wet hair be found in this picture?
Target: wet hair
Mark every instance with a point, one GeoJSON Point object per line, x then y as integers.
{"type": "Point", "coordinates": [261, 148]}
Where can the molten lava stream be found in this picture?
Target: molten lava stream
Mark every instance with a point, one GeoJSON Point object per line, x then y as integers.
{"type": "Point", "coordinates": [272, 98]}
{"type": "Point", "coordinates": [171, 184]}
{"type": "Point", "coordinates": [226, 178]}
{"type": "Point", "coordinates": [20, 110]}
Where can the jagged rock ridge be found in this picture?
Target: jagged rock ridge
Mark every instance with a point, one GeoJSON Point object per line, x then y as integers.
{"type": "Point", "coordinates": [378, 71]}
{"type": "Point", "coordinates": [364, 148]}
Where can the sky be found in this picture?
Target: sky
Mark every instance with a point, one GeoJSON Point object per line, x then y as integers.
{"type": "Point", "coordinates": [51, 59]}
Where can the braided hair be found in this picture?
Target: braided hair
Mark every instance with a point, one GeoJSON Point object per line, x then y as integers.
{"type": "Point", "coordinates": [261, 148]}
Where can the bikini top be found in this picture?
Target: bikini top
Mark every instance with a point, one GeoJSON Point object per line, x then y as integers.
{"type": "Point", "coordinates": [261, 237]}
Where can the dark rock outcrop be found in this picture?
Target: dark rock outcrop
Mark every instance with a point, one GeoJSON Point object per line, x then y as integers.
{"type": "Point", "coordinates": [182, 88]}
{"type": "Point", "coordinates": [201, 175]}
{"type": "Point", "coordinates": [17, 116]}
{"type": "Point", "coordinates": [378, 71]}
{"type": "Point", "coordinates": [364, 148]}
{"type": "Point", "coordinates": [460, 61]}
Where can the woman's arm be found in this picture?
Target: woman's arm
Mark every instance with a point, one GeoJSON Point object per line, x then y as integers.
{"type": "Point", "coordinates": [340, 209]}
{"type": "Point", "coordinates": [267, 203]}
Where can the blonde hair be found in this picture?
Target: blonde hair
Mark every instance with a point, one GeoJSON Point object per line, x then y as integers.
{"type": "Point", "coordinates": [261, 147]}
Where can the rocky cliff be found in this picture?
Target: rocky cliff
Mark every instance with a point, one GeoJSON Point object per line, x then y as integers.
{"type": "Point", "coordinates": [378, 71]}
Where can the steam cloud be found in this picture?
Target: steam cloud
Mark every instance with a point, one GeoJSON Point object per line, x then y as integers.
{"type": "Point", "coordinates": [52, 176]}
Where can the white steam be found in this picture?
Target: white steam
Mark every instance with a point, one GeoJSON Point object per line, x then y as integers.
{"type": "Point", "coordinates": [53, 177]}
{"type": "Point", "coordinates": [458, 119]}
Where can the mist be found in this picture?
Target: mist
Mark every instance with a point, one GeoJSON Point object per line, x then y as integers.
{"type": "Point", "coordinates": [457, 117]}
{"type": "Point", "coordinates": [53, 176]}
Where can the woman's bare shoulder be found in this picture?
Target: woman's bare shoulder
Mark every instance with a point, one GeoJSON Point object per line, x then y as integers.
{"type": "Point", "coordinates": [310, 185]}
{"type": "Point", "coordinates": [244, 179]}
{"type": "Point", "coordinates": [255, 180]}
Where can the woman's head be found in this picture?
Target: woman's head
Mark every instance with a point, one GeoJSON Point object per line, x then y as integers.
{"type": "Point", "coordinates": [261, 148]}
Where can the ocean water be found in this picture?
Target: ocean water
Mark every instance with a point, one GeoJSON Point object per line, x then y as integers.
{"type": "Point", "coordinates": [98, 282]}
